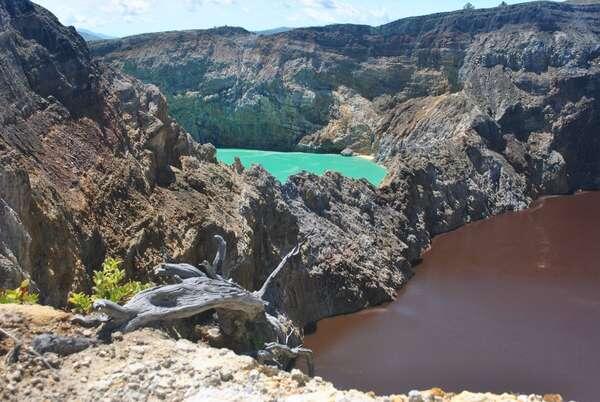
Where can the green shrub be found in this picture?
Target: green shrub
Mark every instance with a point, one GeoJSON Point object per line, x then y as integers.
{"type": "Point", "coordinates": [20, 295]}
{"type": "Point", "coordinates": [108, 284]}
{"type": "Point", "coordinates": [81, 302]}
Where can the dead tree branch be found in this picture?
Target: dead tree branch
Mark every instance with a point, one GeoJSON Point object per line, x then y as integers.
{"type": "Point", "coordinates": [198, 290]}
{"type": "Point", "coordinates": [285, 357]}
{"type": "Point", "coordinates": [186, 299]}
{"type": "Point", "coordinates": [261, 292]}
{"type": "Point", "coordinates": [217, 264]}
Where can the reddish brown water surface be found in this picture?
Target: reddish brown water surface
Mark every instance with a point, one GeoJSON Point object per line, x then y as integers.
{"type": "Point", "coordinates": [507, 304]}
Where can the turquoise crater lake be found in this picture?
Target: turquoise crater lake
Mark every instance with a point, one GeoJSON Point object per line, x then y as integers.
{"type": "Point", "coordinates": [285, 164]}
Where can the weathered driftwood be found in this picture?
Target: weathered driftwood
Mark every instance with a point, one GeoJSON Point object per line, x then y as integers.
{"type": "Point", "coordinates": [179, 272]}
{"type": "Point", "coordinates": [12, 356]}
{"type": "Point", "coordinates": [201, 289]}
{"type": "Point", "coordinates": [196, 291]}
{"type": "Point", "coordinates": [286, 357]}
{"type": "Point", "coordinates": [274, 275]}
{"type": "Point", "coordinates": [89, 321]}
{"type": "Point", "coordinates": [217, 265]}
{"type": "Point", "coordinates": [188, 298]}
{"type": "Point", "coordinates": [186, 271]}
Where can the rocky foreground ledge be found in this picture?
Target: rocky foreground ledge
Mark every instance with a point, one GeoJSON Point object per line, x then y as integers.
{"type": "Point", "coordinates": [150, 365]}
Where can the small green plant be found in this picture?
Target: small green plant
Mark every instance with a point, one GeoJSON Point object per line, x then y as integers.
{"type": "Point", "coordinates": [20, 295]}
{"type": "Point", "coordinates": [81, 302]}
{"type": "Point", "coordinates": [108, 284]}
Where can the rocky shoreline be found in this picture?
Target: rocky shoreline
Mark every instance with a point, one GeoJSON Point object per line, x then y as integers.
{"type": "Point", "coordinates": [148, 365]}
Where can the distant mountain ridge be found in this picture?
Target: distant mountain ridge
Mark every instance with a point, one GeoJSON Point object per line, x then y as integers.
{"type": "Point", "coordinates": [90, 36]}
{"type": "Point", "coordinates": [485, 109]}
{"type": "Point", "coordinates": [583, 2]}
{"type": "Point", "coordinates": [273, 31]}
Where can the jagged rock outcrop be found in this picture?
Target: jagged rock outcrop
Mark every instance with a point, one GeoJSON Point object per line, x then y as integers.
{"type": "Point", "coordinates": [344, 86]}
{"type": "Point", "coordinates": [474, 112]}
{"type": "Point", "coordinates": [75, 137]}
{"type": "Point", "coordinates": [353, 233]}
{"type": "Point", "coordinates": [92, 165]}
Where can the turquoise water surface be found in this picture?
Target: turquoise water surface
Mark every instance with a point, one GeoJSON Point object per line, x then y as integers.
{"type": "Point", "coordinates": [284, 164]}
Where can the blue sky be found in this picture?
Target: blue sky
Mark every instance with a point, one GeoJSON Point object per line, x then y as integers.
{"type": "Point", "coordinates": [128, 17]}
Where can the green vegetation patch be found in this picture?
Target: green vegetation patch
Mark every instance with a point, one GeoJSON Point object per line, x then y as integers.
{"type": "Point", "coordinates": [110, 284]}
{"type": "Point", "coordinates": [20, 295]}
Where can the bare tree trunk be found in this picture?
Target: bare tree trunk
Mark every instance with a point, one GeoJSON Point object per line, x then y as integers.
{"type": "Point", "coordinates": [197, 291]}
{"type": "Point", "coordinates": [188, 298]}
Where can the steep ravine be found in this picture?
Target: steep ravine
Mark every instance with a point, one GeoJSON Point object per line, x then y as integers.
{"type": "Point", "coordinates": [98, 167]}
{"type": "Point", "coordinates": [473, 112]}
{"type": "Point", "coordinates": [93, 165]}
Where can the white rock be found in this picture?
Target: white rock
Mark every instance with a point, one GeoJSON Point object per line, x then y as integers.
{"type": "Point", "coordinates": [16, 375]}
{"type": "Point", "coordinates": [415, 396]}
{"type": "Point", "coordinates": [136, 368]}
{"type": "Point", "coordinates": [184, 345]}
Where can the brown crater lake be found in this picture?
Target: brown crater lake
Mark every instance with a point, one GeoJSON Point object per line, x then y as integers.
{"type": "Point", "coordinates": [507, 304]}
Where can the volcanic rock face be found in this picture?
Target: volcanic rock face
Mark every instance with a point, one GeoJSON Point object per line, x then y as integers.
{"type": "Point", "coordinates": [473, 112]}
{"type": "Point", "coordinates": [92, 165]}
{"type": "Point", "coordinates": [343, 86]}
{"type": "Point", "coordinates": [84, 152]}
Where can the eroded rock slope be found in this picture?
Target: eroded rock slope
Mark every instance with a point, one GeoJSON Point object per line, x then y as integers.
{"type": "Point", "coordinates": [92, 165]}
{"type": "Point", "coordinates": [349, 86]}
{"type": "Point", "coordinates": [474, 112]}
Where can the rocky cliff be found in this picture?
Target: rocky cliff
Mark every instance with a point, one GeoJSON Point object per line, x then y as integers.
{"type": "Point", "coordinates": [92, 165]}
{"type": "Point", "coordinates": [474, 112]}
{"type": "Point", "coordinates": [484, 111]}
{"type": "Point", "coordinates": [339, 86]}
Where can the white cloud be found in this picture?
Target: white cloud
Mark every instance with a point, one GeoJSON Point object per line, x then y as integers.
{"type": "Point", "coordinates": [70, 14]}
{"type": "Point", "coordinates": [79, 20]}
{"type": "Point", "coordinates": [193, 5]}
{"type": "Point", "coordinates": [94, 14]}
{"type": "Point", "coordinates": [128, 9]}
{"type": "Point", "coordinates": [334, 11]}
